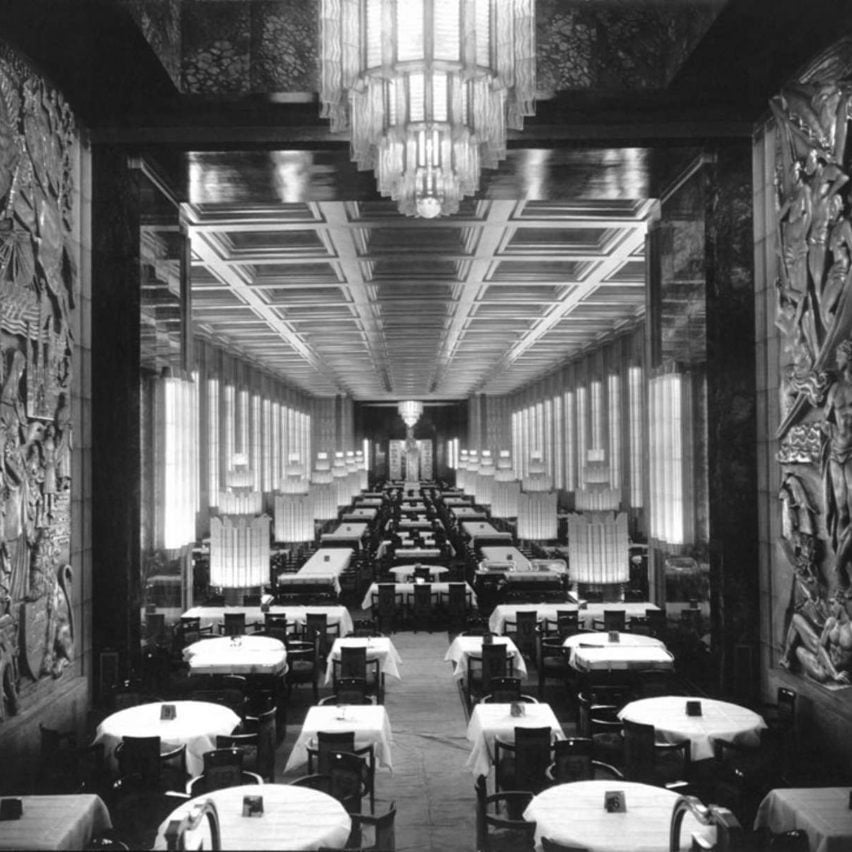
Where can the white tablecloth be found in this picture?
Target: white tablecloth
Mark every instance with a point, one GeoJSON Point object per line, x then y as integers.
{"type": "Point", "coordinates": [55, 822]}
{"type": "Point", "coordinates": [420, 524]}
{"type": "Point", "coordinates": [588, 615]}
{"type": "Point", "coordinates": [718, 720]}
{"type": "Point", "coordinates": [463, 646]}
{"type": "Point", "coordinates": [631, 651]}
{"type": "Point", "coordinates": [466, 512]}
{"type": "Point", "coordinates": [822, 812]}
{"type": "Point", "coordinates": [326, 563]}
{"type": "Point", "coordinates": [370, 723]}
{"type": "Point", "coordinates": [293, 818]}
{"type": "Point", "coordinates": [406, 572]}
{"type": "Point", "coordinates": [574, 814]}
{"type": "Point", "coordinates": [406, 589]}
{"type": "Point", "coordinates": [345, 532]}
{"type": "Point", "coordinates": [490, 721]}
{"type": "Point", "coordinates": [367, 501]}
{"type": "Point", "coordinates": [481, 529]}
{"type": "Point", "coordinates": [360, 514]}
{"type": "Point", "coordinates": [378, 648]}
{"type": "Point", "coordinates": [239, 655]}
{"type": "Point", "coordinates": [505, 553]}
{"type": "Point", "coordinates": [196, 723]}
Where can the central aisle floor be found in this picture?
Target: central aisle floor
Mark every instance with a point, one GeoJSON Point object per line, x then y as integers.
{"type": "Point", "coordinates": [434, 793]}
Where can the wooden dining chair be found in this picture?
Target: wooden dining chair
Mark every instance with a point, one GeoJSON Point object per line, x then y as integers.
{"type": "Point", "coordinates": [353, 663]}
{"type": "Point", "coordinates": [348, 690]}
{"type": "Point", "coordinates": [420, 606]}
{"type": "Point", "coordinates": [493, 661]}
{"type": "Point", "coordinates": [573, 760]}
{"type": "Point", "coordinates": [142, 764]}
{"type": "Point", "coordinates": [650, 761]}
{"type": "Point", "coordinates": [265, 725]}
{"type": "Point", "coordinates": [387, 607]}
{"type": "Point", "coordinates": [614, 620]}
{"type": "Point", "coordinates": [234, 624]}
{"type": "Point", "coordinates": [350, 780]}
{"type": "Point", "coordinates": [499, 821]}
{"type": "Point", "coordinates": [523, 764]}
{"type": "Point", "coordinates": [523, 630]}
{"type": "Point", "coordinates": [303, 665]}
{"type": "Point", "coordinates": [455, 606]}
{"type": "Point", "coordinates": [275, 625]}
{"type": "Point", "coordinates": [248, 744]}
{"type": "Point", "coordinates": [382, 827]}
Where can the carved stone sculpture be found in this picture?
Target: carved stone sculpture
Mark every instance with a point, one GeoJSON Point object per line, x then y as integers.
{"type": "Point", "coordinates": [37, 300]}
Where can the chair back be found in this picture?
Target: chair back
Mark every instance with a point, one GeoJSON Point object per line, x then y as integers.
{"type": "Point", "coordinates": [422, 599]}
{"type": "Point", "coordinates": [351, 690]}
{"type": "Point", "coordinates": [353, 661]}
{"type": "Point", "coordinates": [572, 760]}
{"type": "Point", "coordinates": [532, 758]}
{"type": "Point", "coordinates": [786, 707]}
{"type": "Point", "coordinates": [275, 625]}
{"type": "Point", "coordinates": [248, 745]}
{"type": "Point", "coordinates": [567, 622]}
{"type": "Point", "coordinates": [348, 774]}
{"type": "Point", "coordinates": [218, 757]}
{"type": "Point", "coordinates": [422, 572]}
{"type": "Point", "coordinates": [265, 726]}
{"type": "Point", "coordinates": [504, 690]}
{"type": "Point", "coordinates": [328, 742]}
{"type": "Point", "coordinates": [140, 756]}
{"type": "Point", "coordinates": [386, 607]}
{"type": "Point", "coordinates": [316, 626]}
{"type": "Point", "coordinates": [235, 623]}
{"type": "Point", "coordinates": [639, 751]}
{"type": "Point", "coordinates": [384, 834]}
{"type": "Point", "coordinates": [495, 663]}
{"type": "Point", "coordinates": [188, 630]}
{"type": "Point", "coordinates": [315, 781]}
{"type": "Point", "coordinates": [614, 620]}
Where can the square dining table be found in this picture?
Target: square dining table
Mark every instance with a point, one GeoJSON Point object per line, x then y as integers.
{"type": "Point", "coordinates": [602, 652]}
{"type": "Point", "coordinates": [378, 648]}
{"type": "Point", "coordinates": [370, 722]}
{"type": "Point", "coordinates": [55, 822]}
{"type": "Point", "coordinates": [492, 721]}
{"type": "Point", "coordinates": [463, 647]}
{"type": "Point", "coordinates": [243, 655]}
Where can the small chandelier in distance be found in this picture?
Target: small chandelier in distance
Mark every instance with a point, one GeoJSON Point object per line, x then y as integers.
{"type": "Point", "coordinates": [427, 89]}
{"type": "Point", "coordinates": [410, 411]}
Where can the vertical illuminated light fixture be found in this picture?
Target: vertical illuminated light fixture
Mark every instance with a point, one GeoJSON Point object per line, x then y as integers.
{"type": "Point", "coordinates": [461, 470]}
{"type": "Point", "coordinates": [427, 89]}
{"type": "Point", "coordinates": [537, 502]}
{"type": "Point", "coordinates": [323, 489]}
{"type": "Point", "coordinates": [485, 478]}
{"type": "Point", "coordinates": [177, 458]}
{"type": "Point", "coordinates": [294, 507]}
{"type": "Point", "coordinates": [340, 475]}
{"type": "Point", "coordinates": [504, 503]}
{"type": "Point", "coordinates": [472, 471]}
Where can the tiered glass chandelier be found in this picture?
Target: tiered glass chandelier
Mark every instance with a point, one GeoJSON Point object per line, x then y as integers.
{"type": "Point", "coordinates": [410, 411]}
{"type": "Point", "coordinates": [427, 89]}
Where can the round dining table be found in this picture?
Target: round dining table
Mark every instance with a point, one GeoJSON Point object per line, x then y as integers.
{"type": "Point", "coordinates": [717, 720]}
{"type": "Point", "coordinates": [574, 815]}
{"type": "Point", "coordinates": [195, 723]}
{"type": "Point", "coordinates": [244, 655]}
{"type": "Point", "coordinates": [293, 818]}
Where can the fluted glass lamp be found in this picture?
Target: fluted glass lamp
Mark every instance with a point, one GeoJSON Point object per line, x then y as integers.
{"type": "Point", "coordinates": [461, 470]}
{"type": "Point", "coordinates": [537, 503]}
{"type": "Point", "coordinates": [294, 506]}
{"type": "Point", "coordinates": [323, 489]}
{"type": "Point", "coordinates": [426, 90]}
{"type": "Point", "coordinates": [504, 502]}
{"type": "Point", "coordinates": [485, 478]}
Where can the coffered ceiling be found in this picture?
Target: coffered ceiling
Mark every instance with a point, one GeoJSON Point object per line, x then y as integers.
{"type": "Point", "coordinates": [351, 297]}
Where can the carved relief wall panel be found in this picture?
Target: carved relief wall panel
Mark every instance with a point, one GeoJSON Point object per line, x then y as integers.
{"type": "Point", "coordinates": [39, 304]}
{"type": "Point", "coordinates": [808, 166]}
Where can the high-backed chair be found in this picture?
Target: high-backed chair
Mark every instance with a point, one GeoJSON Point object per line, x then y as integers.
{"type": "Point", "coordinates": [597, 718]}
{"type": "Point", "coordinates": [316, 624]}
{"type": "Point", "coordinates": [348, 690]}
{"type": "Point", "coordinates": [523, 764]}
{"type": "Point", "coordinates": [382, 827]}
{"type": "Point", "coordinates": [248, 744]}
{"type": "Point", "coordinates": [420, 606]}
{"type": "Point", "coordinates": [234, 624]}
{"type": "Point", "coordinates": [265, 725]}
{"type": "Point", "coordinates": [454, 603]}
{"type": "Point", "coordinates": [613, 620]}
{"type": "Point", "coordinates": [493, 661]}
{"type": "Point", "coordinates": [523, 630]}
{"type": "Point", "coordinates": [353, 663]}
{"type": "Point", "coordinates": [275, 625]}
{"type": "Point", "coordinates": [651, 762]}
{"type": "Point", "coordinates": [499, 821]}
{"type": "Point", "coordinates": [350, 780]}
{"type": "Point", "coordinates": [387, 607]}
{"type": "Point", "coordinates": [552, 662]}
{"type": "Point", "coordinates": [573, 760]}
{"type": "Point", "coordinates": [66, 767]}
{"type": "Point", "coordinates": [143, 765]}
{"type": "Point", "coordinates": [303, 665]}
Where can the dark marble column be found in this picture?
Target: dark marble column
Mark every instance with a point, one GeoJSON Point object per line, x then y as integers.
{"type": "Point", "coordinates": [116, 473]}
{"type": "Point", "coordinates": [732, 457]}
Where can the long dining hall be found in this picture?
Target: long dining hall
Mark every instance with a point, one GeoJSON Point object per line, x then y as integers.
{"type": "Point", "coordinates": [426, 425]}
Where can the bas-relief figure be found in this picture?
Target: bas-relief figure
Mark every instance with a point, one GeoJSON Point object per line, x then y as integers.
{"type": "Point", "coordinates": [37, 298]}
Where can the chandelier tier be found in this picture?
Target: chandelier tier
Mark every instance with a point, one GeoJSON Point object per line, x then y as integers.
{"type": "Point", "coordinates": [410, 411]}
{"type": "Point", "coordinates": [427, 89]}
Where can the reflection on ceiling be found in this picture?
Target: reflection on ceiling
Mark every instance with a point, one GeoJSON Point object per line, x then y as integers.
{"type": "Point", "coordinates": [351, 297]}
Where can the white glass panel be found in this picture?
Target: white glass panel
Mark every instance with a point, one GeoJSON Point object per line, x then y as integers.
{"type": "Point", "coordinates": [614, 390]}
{"type": "Point", "coordinates": [212, 442]}
{"type": "Point", "coordinates": [409, 30]}
{"type": "Point", "coordinates": [447, 29]}
{"type": "Point", "coordinates": [637, 437]}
